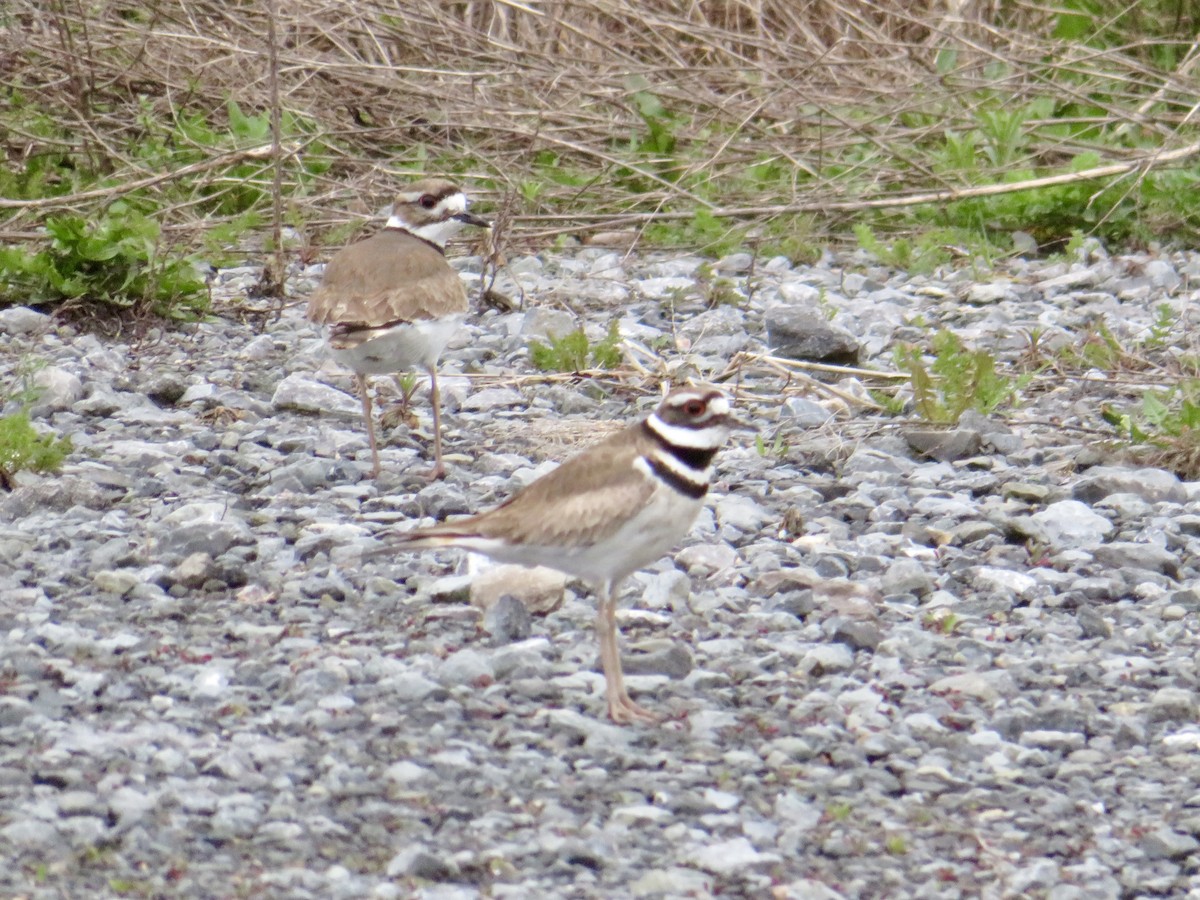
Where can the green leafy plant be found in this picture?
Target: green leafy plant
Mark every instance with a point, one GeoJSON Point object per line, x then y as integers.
{"type": "Point", "coordinates": [776, 449]}
{"type": "Point", "coordinates": [943, 622]}
{"type": "Point", "coordinates": [703, 231]}
{"type": "Point", "coordinates": [890, 403]}
{"type": "Point", "coordinates": [1165, 320]}
{"type": "Point", "coordinates": [22, 448]}
{"type": "Point", "coordinates": [117, 261]}
{"type": "Point", "coordinates": [717, 290]}
{"type": "Point", "coordinates": [920, 255]}
{"type": "Point", "coordinates": [572, 352]}
{"type": "Point", "coordinates": [956, 380]}
{"type": "Point", "coordinates": [838, 811]}
{"type": "Point", "coordinates": [1167, 426]}
{"type": "Point", "coordinates": [1097, 348]}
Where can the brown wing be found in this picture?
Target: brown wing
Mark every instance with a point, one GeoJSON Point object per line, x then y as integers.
{"type": "Point", "coordinates": [584, 500]}
{"type": "Point", "coordinates": [391, 276]}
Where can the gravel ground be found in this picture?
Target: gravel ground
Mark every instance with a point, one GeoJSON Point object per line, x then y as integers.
{"type": "Point", "coordinates": [883, 674]}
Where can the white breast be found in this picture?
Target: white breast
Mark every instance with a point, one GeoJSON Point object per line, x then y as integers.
{"type": "Point", "coordinates": [398, 348]}
{"type": "Point", "coordinates": [645, 538]}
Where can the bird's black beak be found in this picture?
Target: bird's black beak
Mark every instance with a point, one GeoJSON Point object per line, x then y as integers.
{"type": "Point", "coordinates": [468, 219]}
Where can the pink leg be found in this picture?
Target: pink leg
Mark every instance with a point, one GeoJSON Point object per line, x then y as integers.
{"type": "Point", "coordinates": [439, 470]}
{"type": "Point", "coordinates": [363, 392]}
{"type": "Point", "coordinates": [621, 708]}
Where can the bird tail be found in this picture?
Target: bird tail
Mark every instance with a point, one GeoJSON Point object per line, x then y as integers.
{"type": "Point", "coordinates": [421, 539]}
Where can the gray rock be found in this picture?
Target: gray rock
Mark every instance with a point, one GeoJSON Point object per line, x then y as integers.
{"type": "Point", "coordinates": [806, 413]}
{"type": "Point", "coordinates": [1154, 485]}
{"type": "Point", "coordinates": [986, 686]}
{"type": "Point", "coordinates": [674, 661]}
{"type": "Point", "coordinates": [1165, 843]}
{"type": "Point", "coordinates": [259, 349]}
{"type": "Point", "coordinates": [1092, 623]}
{"type": "Point", "coordinates": [1068, 281]}
{"type": "Point", "coordinates": [164, 388]}
{"type": "Point", "coordinates": [301, 394]}
{"type": "Point", "coordinates": [858, 635]}
{"type": "Point", "coordinates": [957, 443]}
{"type": "Point", "coordinates": [987, 294]}
{"type": "Point", "coordinates": [825, 659]}
{"type": "Point", "coordinates": [543, 322]}
{"type": "Point", "coordinates": [798, 293]}
{"type": "Point", "coordinates": [804, 334]}
{"type": "Point", "coordinates": [907, 576]}
{"type": "Point", "coordinates": [1172, 704]}
{"type": "Point", "coordinates": [410, 687]}
{"type": "Point", "coordinates": [492, 399]}
{"type": "Point", "coordinates": [23, 320]}
{"type": "Point", "coordinates": [419, 861]}
{"type": "Point", "coordinates": [1126, 554]}
{"type": "Point", "coordinates": [467, 666]}
{"type": "Point", "coordinates": [507, 620]}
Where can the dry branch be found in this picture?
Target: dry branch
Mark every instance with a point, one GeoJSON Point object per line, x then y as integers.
{"type": "Point", "coordinates": [514, 91]}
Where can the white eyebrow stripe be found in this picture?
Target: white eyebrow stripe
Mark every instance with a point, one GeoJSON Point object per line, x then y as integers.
{"type": "Point", "coordinates": [711, 437]}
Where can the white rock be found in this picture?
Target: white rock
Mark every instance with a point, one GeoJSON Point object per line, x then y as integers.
{"type": "Point", "coordinates": [493, 398]}
{"type": "Point", "coordinates": [405, 772]}
{"type": "Point", "coordinates": [990, 578]}
{"type": "Point", "coordinates": [302, 394]}
{"type": "Point", "coordinates": [673, 882]}
{"type": "Point", "coordinates": [1069, 524]}
{"type": "Point", "coordinates": [467, 666]}
{"type": "Point", "coordinates": [985, 686]}
{"type": "Point", "coordinates": [56, 389]}
{"type": "Point", "coordinates": [729, 857]}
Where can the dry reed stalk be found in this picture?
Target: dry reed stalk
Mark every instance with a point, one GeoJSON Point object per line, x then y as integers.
{"type": "Point", "coordinates": [742, 81]}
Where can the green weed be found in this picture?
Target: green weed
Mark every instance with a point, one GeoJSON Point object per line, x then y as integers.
{"type": "Point", "coordinates": [117, 261]}
{"type": "Point", "coordinates": [23, 449]}
{"type": "Point", "coordinates": [703, 231]}
{"type": "Point", "coordinates": [957, 380]}
{"type": "Point", "coordinates": [918, 256]}
{"type": "Point", "coordinates": [1165, 320]}
{"type": "Point", "coordinates": [1097, 348]}
{"type": "Point", "coordinates": [945, 622]}
{"type": "Point", "coordinates": [777, 449]}
{"type": "Point", "coordinates": [716, 290]}
{"type": "Point", "coordinates": [1166, 428]}
{"type": "Point", "coordinates": [838, 811]}
{"type": "Point", "coordinates": [573, 353]}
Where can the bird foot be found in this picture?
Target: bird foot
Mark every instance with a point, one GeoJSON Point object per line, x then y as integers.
{"type": "Point", "coordinates": [623, 711]}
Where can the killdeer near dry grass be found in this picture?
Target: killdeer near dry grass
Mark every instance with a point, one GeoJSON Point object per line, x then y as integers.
{"type": "Point", "coordinates": [391, 302]}
{"type": "Point", "coordinates": [605, 513]}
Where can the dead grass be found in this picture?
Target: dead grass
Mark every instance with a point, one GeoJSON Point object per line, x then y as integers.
{"type": "Point", "coordinates": [839, 94]}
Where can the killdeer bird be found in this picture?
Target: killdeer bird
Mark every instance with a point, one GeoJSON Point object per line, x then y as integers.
{"type": "Point", "coordinates": [605, 513]}
{"type": "Point", "coordinates": [391, 302]}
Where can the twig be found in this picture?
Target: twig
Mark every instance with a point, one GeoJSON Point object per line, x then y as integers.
{"type": "Point", "coordinates": [1147, 161]}
{"type": "Point", "coordinates": [67, 201]}
{"type": "Point", "coordinates": [279, 282]}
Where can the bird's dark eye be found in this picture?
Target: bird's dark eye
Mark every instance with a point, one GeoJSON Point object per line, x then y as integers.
{"type": "Point", "coordinates": [695, 407]}
{"type": "Point", "coordinates": [428, 201]}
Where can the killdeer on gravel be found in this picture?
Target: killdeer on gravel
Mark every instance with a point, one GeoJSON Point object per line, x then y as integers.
{"type": "Point", "coordinates": [391, 302]}
{"type": "Point", "coordinates": [605, 513]}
